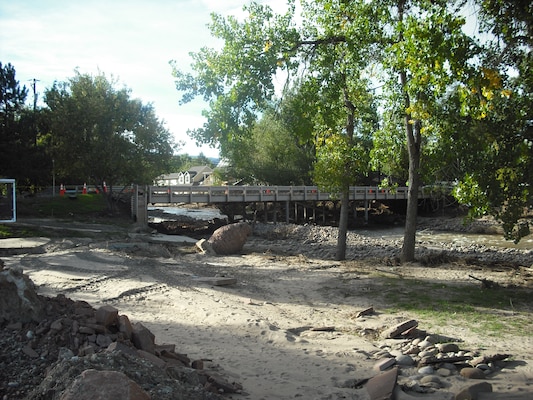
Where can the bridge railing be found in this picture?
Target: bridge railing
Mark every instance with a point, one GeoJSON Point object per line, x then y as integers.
{"type": "Point", "coordinates": [243, 194]}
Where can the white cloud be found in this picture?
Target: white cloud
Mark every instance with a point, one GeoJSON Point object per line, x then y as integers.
{"type": "Point", "coordinates": [132, 40]}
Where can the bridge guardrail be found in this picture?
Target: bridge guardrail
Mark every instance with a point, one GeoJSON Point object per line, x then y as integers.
{"type": "Point", "coordinates": [239, 194]}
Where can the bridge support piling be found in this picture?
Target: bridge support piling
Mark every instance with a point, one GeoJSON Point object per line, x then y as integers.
{"type": "Point", "coordinates": [366, 211]}
{"type": "Point", "coordinates": [287, 212]}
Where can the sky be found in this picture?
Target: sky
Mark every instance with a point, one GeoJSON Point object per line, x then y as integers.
{"type": "Point", "coordinates": [131, 41]}
{"type": "Point", "coordinates": [128, 40]}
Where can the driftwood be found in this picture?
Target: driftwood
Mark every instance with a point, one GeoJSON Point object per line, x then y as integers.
{"type": "Point", "coordinates": [323, 329]}
{"type": "Point", "coordinates": [299, 330]}
{"type": "Point", "coordinates": [486, 283]}
{"type": "Point", "coordinates": [366, 311]}
{"type": "Point", "coordinates": [451, 360]}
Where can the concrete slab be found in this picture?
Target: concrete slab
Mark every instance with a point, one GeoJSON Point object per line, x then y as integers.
{"type": "Point", "coordinates": [23, 243]}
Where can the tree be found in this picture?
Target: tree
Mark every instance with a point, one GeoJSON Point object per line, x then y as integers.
{"type": "Point", "coordinates": [280, 149]}
{"type": "Point", "coordinates": [24, 157]}
{"type": "Point", "coordinates": [99, 134]}
{"type": "Point", "coordinates": [415, 49]}
{"type": "Point", "coordinates": [238, 81]}
{"type": "Point", "coordinates": [425, 54]}
{"type": "Point", "coordinates": [497, 180]}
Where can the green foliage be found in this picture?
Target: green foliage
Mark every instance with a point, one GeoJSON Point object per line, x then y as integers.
{"type": "Point", "coordinates": [24, 157]}
{"type": "Point", "coordinates": [98, 133]}
{"type": "Point", "coordinates": [493, 143]}
{"type": "Point", "coordinates": [273, 154]}
{"type": "Point", "coordinates": [237, 81]}
{"type": "Point", "coordinates": [441, 117]}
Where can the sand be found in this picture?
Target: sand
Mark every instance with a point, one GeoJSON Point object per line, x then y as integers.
{"type": "Point", "coordinates": [286, 329]}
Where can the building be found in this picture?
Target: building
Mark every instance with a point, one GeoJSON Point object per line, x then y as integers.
{"type": "Point", "coordinates": [200, 175]}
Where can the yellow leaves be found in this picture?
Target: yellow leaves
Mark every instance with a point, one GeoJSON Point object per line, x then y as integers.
{"type": "Point", "coordinates": [487, 93]}
{"type": "Point", "coordinates": [268, 45]}
{"type": "Point", "coordinates": [506, 93]}
{"type": "Point", "coordinates": [492, 77]}
{"type": "Point", "coordinates": [418, 111]}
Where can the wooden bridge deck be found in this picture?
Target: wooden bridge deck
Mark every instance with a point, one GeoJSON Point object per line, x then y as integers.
{"type": "Point", "coordinates": [245, 194]}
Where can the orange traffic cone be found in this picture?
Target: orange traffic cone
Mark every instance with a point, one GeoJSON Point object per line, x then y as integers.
{"type": "Point", "coordinates": [84, 191]}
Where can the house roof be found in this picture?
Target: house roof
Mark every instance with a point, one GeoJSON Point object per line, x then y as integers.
{"type": "Point", "coordinates": [199, 171]}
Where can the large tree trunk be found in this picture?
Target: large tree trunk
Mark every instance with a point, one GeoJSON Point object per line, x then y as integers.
{"type": "Point", "coordinates": [413, 135]}
{"type": "Point", "coordinates": [345, 195]}
{"type": "Point", "coordinates": [343, 226]}
{"type": "Point", "coordinates": [412, 130]}
{"type": "Point", "coordinates": [409, 238]}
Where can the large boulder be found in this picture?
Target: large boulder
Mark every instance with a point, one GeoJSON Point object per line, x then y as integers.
{"type": "Point", "coordinates": [229, 239]}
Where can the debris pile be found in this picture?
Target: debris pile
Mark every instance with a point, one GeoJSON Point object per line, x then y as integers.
{"type": "Point", "coordinates": [415, 362]}
{"type": "Point", "coordinates": [53, 347]}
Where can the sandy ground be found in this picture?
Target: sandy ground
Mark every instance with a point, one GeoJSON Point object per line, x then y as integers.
{"type": "Point", "coordinates": [287, 329]}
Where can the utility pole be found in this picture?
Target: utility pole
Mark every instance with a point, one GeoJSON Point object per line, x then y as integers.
{"type": "Point", "coordinates": [34, 87]}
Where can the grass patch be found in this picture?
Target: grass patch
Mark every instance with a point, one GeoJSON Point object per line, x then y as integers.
{"type": "Point", "coordinates": [492, 312]}
{"type": "Point", "coordinates": [84, 206]}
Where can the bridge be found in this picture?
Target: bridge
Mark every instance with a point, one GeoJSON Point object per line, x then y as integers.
{"type": "Point", "coordinates": [297, 203]}
{"type": "Point", "coordinates": [248, 194]}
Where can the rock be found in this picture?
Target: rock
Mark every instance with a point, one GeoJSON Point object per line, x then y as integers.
{"type": "Point", "coordinates": [142, 338]}
{"type": "Point", "coordinates": [103, 340]}
{"type": "Point", "coordinates": [382, 386]}
{"type": "Point", "coordinates": [104, 385]}
{"type": "Point", "coordinates": [384, 363]}
{"type": "Point", "coordinates": [427, 353]}
{"type": "Point", "coordinates": [30, 352]}
{"type": "Point", "coordinates": [472, 373]}
{"type": "Point", "coordinates": [230, 239]}
{"type": "Point", "coordinates": [404, 360]}
{"type": "Point", "coordinates": [400, 328]}
{"type": "Point", "coordinates": [19, 300]}
{"type": "Point", "coordinates": [152, 358]}
{"type": "Point", "coordinates": [448, 347]}
{"type": "Point", "coordinates": [107, 316]}
{"type": "Point", "coordinates": [444, 372]}
{"type": "Point", "coordinates": [125, 327]}
{"type": "Point", "coordinates": [205, 247]}
{"type": "Point", "coordinates": [471, 392]}
{"type": "Point", "coordinates": [427, 370]}
{"type": "Point", "coordinates": [432, 381]}
{"type": "Point", "coordinates": [117, 346]}
{"type": "Point", "coordinates": [426, 343]}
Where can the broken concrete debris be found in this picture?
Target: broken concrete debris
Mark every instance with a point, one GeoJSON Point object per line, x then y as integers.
{"type": "Point", "coordinates": [77, 348]}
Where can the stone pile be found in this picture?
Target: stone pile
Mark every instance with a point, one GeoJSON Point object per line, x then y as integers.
{"type": "Point", "coordinates": [40, 333]}
{"type": "Point", "coordinates": [424, 362]}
